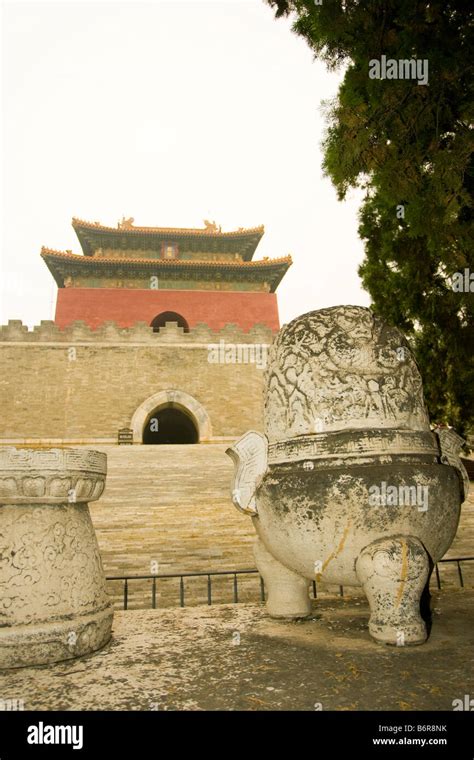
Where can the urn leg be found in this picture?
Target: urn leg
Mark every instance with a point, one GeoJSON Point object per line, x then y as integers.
{"type": "Point", "coordinates": [287, 592]}
{"type": "Point", "coordinates": [393, 573]}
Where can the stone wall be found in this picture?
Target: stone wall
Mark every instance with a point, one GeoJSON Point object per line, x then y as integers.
{"type": "Point", "coordinates": [79, 385]}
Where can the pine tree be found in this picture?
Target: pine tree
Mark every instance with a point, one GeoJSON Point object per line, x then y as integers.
{"type": "Point", "coordinates": [410, 147]}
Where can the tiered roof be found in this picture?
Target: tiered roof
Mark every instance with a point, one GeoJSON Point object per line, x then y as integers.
{"type": "Point", "coordinates": [115, 253]}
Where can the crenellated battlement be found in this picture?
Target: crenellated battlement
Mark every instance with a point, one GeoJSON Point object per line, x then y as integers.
{"type": "Point", "coordinates": [140, 332]}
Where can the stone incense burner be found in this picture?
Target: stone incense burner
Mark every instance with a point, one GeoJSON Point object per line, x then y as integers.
{"type": "Point", "coordinates": [348, 485]}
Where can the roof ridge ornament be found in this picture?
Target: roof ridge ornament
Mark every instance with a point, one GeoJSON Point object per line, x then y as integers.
{"type": "Point", "coordinates": [211, 226]}
{"type": "Point", "coordinates": [125, 224]}
{"type": "Point", "coordinates": [128, 224]}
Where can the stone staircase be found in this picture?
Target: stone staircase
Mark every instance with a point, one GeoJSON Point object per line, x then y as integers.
{"type": "Point", "coordinates": [170, 505]}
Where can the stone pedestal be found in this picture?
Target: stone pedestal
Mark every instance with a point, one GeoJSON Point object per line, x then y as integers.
{"type": "Point", "coordinates": [53, 602]}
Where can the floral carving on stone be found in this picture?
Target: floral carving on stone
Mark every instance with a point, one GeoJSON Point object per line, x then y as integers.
{"type": "Point", "coordinates": [54, 476]}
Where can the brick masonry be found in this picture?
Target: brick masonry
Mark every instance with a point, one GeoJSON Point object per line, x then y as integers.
{"type": "Point", "coordinates": [125, 306]}
{"type": "Point", "coordinates": [80, 386]}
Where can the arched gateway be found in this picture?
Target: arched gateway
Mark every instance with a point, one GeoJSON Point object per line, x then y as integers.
{"type": "Point", "coordinates": [171, 416]}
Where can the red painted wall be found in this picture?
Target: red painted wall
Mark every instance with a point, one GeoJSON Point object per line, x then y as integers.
{"type": "Point", "coordinates": [125, 307]}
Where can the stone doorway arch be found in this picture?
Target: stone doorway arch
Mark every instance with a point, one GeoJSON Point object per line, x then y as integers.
{"type": "Point", "coordinates": [172, 399]}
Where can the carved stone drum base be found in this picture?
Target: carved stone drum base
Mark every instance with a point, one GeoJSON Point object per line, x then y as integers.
{"type": "Point", "coordinates": [53, 602]}
{"type": "Point", "coordinates": [56, 641]}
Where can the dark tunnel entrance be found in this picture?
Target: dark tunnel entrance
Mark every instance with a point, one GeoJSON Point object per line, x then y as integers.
{"type": "Point", "coordinates": [169, 425]}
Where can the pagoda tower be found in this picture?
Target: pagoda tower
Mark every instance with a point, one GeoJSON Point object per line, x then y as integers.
{"type": "Point", "coordinates": [156, 275]}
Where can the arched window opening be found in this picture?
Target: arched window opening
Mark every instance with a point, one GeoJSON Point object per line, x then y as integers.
{"type": "Point", "coordinates": [169, 316]}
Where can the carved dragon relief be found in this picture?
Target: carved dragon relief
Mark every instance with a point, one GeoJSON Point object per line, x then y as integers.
{"type": "Point", "coordinates": [332, 371]}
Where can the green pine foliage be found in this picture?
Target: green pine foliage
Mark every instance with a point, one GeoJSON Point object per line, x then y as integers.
{"type": "Point", "coordinates": [410, 147]}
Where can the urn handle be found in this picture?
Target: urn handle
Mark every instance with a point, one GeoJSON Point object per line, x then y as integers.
{"type": "Point", "coordinates": [249, 455]}
{"type": "Point", "coordinates": [450, 444]}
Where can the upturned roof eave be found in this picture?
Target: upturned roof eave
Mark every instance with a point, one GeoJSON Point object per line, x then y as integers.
{"type": "Point", "coordinates": [87, 230]}
{"type": "Point", "coordinates": [57, 260]}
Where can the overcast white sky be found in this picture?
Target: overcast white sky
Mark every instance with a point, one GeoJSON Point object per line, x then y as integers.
{"type": "Point", "coordinates": [170, 112]}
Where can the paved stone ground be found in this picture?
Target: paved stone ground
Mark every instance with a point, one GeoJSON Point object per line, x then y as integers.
{"type": "Point", "coordinates": [233, 657]}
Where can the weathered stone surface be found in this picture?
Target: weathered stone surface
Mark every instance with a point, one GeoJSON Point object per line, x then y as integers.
{"type": "Point", "coordinates": [234, 657]}
{"type": "Point", "coordinates": [52, 476]}
{"type": "Point", "coordinates": [250, 457]}
{"type": "Point", "coordinates": [53, 602]}
{"type": "Point", "coordinates": [340, 368]}
{"type": "Point", "coordinates": [403, 564]}
{"type": "Point", "coordinates": [319, 520]}
{"type": "Point", "coordinates": [354, 473]}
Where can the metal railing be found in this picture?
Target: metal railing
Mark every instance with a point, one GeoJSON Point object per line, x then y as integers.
{"type": "Point", "coordinates": [235, 573]}
{"type": "Point", "coordinates": [458, 561]}
{"type": "Point", "coordinates": [182, 576]}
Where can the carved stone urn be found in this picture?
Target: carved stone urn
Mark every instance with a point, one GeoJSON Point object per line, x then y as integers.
{"type": "Point", "coordinates": [348, 485]}
{"type": "Point", "coordinates": [53, 602]}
